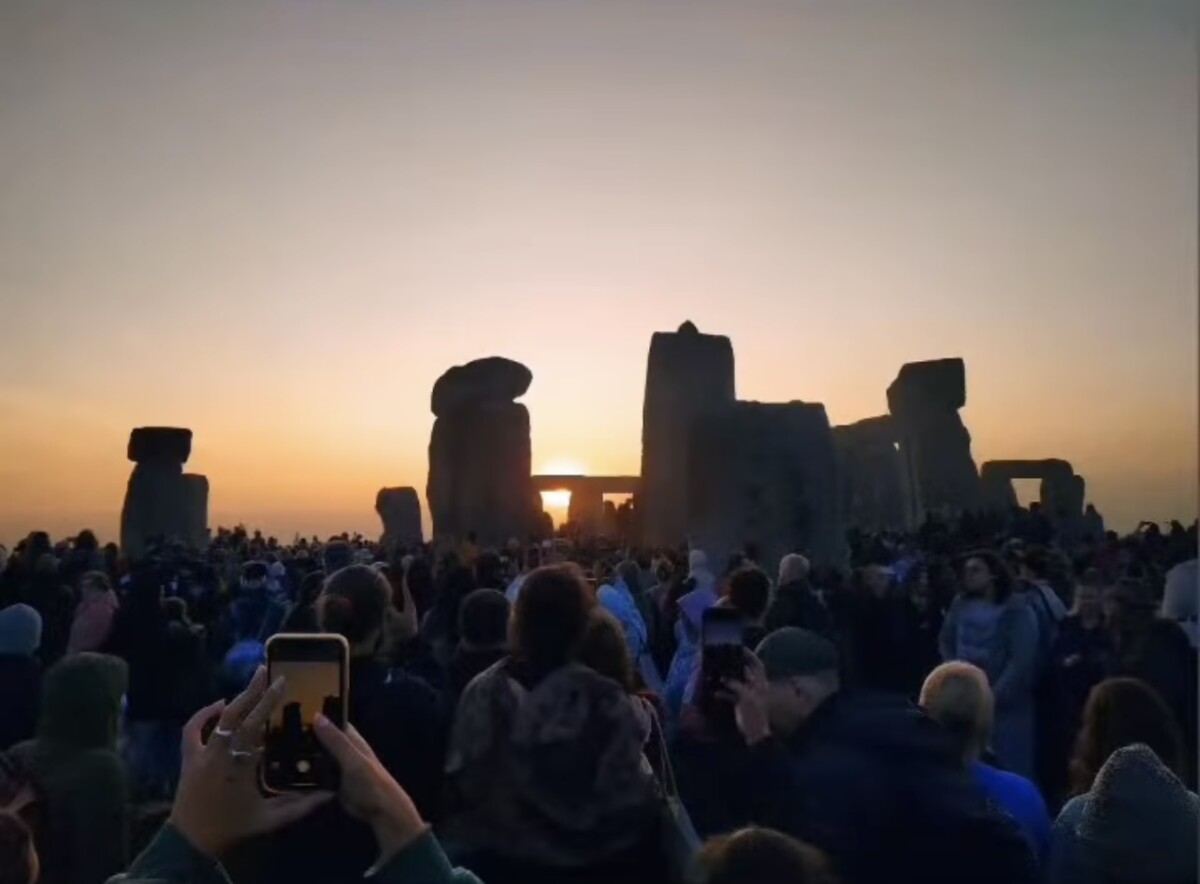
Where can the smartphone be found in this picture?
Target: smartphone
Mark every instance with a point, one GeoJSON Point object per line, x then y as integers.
{"type": "Point", "coordinates": [315, 668]}
{"type": "Point", "coordinates": [722, 653]}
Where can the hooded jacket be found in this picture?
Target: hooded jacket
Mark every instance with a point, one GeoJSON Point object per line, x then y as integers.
{"type": "Point", "coordinates": [75, 766]}
{"type": "Point", "coordinates": [20, 673]}
{"type": "Point", "coordinates": [1137, 824]}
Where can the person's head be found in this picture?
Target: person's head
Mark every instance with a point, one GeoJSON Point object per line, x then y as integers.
{"type": "Point", "coordinates": [81, 703]}
{"type": "Point", "coordinates": [533, 559]}
{"type": "Point", "coordinates": [20, 631]}
{"type": "Point", "coordinates": [802, 671]}
{"type": "Point", "coordinates": [489, 571]}
{"type": "Point", "coordinates": [354, 604]}
{"type": "Point", "coordinates": [793, 568]}
{"type": "Point", "coordinates": [603, 649]}
{"type": "Point", "coordinates": [957, 696]}
{"type": "Point", "coordinates": [550, 617]}
{"type": "Point", "coordinates": [176, 610]}
{"type": "Point", "coordinates": [749, 593]}
{"type": "Point", "coordinates": [337, 554]}
{"type": "Point", "coordinates": [919, 588]}
{"type": "Point", "coordinates": [18, 857]}
{"type": "Point", "coordinates": [94, 583]}
{"type": "Point", "coordinates": [631, 575]}
{"type": "Point", "coordinates": [1120, 712]}
{"type": "Point", "coordinates": [483, 620]}
{"type": "Point", "coordinates": [760, 856]}
{"type": "Point", "coordinates": [985, 576]}
{"type": "Point", "coordinates": [310, 587]}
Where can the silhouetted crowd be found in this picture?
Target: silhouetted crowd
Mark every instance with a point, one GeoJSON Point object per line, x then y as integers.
{"type": "Point", "coordinates": [981, 700]}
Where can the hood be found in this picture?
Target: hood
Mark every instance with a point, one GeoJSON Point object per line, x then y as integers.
{"type": "Point", "coordinates": [1139, 820]}
{"type": "Point", "coordinates": [1181, 595]}
{"type": "Point", "coordinates": [20, 630]}
{"type": "Point", "coordinates": [693, 605]}
{"type": "Point", "coordinates": [577, 747]}
{"type": "Point", "coordinates": [81, 703]}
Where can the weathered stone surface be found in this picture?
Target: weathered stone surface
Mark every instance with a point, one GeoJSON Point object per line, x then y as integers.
{"type": "Point", "coordinates": [688, 375]}
{"type": "Point", "coordinates": [160, 443]}
{"type": "Point", "coordinates": [765, 473]}
{"type": "Point", "coordinates": [160, 501]}
{"type": "Point", "coordinates": [482, 381]}
{"type": "Point", "coordinates": [400, 511]}
{"type": "Point", "coordinates": [875, 486]}
{"type": "Point", "coordinates": [479, 474]}
{"type": "Point", "coordinates": [1061, 494]}
{"type": "Point", "coordinates": [934, 444]}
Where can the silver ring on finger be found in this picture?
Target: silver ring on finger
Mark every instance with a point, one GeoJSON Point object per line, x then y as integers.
{"type": "Point", "coordinates": [219, 731]}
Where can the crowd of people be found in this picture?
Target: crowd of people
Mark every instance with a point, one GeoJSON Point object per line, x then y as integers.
{"type": "Point", "coordinates": [978, 700]}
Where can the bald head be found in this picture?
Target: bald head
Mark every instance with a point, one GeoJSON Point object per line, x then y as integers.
{"type": "Point", "coordinates": [957, 695]}
{"type": "Point", "coordinates": [793, 567]}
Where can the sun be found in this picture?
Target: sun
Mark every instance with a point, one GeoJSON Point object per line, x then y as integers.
{"type": "Point", "coordinates": [556, 500]}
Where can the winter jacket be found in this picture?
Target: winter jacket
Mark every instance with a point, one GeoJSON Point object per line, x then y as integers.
{"type": "Point", "coordinates": [795, 604]}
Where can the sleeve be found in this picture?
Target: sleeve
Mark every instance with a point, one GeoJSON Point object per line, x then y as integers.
{"type": "Point", "coordinates": [170, 859]}
{"type": "Point", "coordinates": [422, 862]}
{"type": "Point", "coordinates": [1021, 631]}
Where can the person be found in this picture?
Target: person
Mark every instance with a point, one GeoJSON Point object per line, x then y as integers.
{"type": "Point", "coordinates": [958, 697]}
{"type": "Point", "coordinates": [1181, 599]}
{"type": "Point", "coordinates": [881, 650]}
{"type": "Point", "coordinates": [760, 856]}
{"type": "Point", "coordinates": [533, 561]}
{"type": "Point", "coordinates": [19, 862]}
{"type": "Point", "coordinates": [989, 626]}
{"type": "Point", "coordinates": [20, 672]}
{"type": "Point", "coordinates": [795, 603]}
{"type": "Point", "coordinates": [219, 804]}
{"type": "Point", "coordinates": [1137, 822]}
{"type": "Point", "coordinates": [55, 604]}
{"type": "Point", "coordinates": [701, 593]}
{"type": "Point", "coordinates": [439, 629]}
{"type": "Point", "coordinates": [869, 779]}
{"type": "Point", "coordinates": [620, 598]}
{"type": "Point", "coordinates": [93, 622]}
{"type": "Point", "coordinates": [75, 768]}
{"type": "Point", "coordinates": [482, 639]}
{"type": "Point", "coordinates": [302, 615]}
{"type": "Point", "coordinates": [545, 762]}
{"type": "Point", "coordinates": [1121, 712]}
{"type": "Point", "coordinates": [1156, 651]}
{"type": "Point", "coordinates": [920, 624]}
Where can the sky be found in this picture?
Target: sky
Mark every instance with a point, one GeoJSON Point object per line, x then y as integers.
{"type": "Point", "coordinates": [277, 222]}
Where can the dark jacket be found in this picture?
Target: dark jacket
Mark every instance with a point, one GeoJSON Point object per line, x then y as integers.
{"type": "Point", "coordinates": [77, 772]}
{"type": "Point", "coordinates": [465, 665]}
{"type": "Point", "coordinates": [20, 686]}
{"type": "Point", "coordinates": [874, 783]}
{"type": "Point", "coordinates": [170, 859]}
{"type": "Point", "coordinates": [795, 604]}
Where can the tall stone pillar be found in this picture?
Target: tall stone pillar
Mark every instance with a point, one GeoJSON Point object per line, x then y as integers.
{"type": "Point", "coordinates": [160, 501]}
{"type": "Point", "coordinates": [400, 511]}
{"type": "Point", "coordinates": [688, 375]}
{"type": "Point", "coordinates": [924, 401]}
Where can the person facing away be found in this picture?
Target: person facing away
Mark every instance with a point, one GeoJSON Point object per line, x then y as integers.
{"type": "Point", "coordinates": [621, 597]}
{"type": "Point", "coordinates": [482, 639]}
{"type": "Point", "coordinates": [958, 697]}
{"type": "Point", "coordinates": [760, 856]}
{"type": "Point", "coordinates": [989, 626]}
{"type": "Point", "coordinates": [701, 593]}
{"type": "Point", "coordinates": [545, 763]}
{"type": "Point", "coordinates": [20, 672]}
{"type": "Point", "coordinates": [77, 772]}
{"type": "Point", "coordinates": [1137, 824]}
{"type": "Point", "coordinates": [795, 603]}
{"type": "Point", "coordinates": [533, 561]}
{"type": "Point", "coordinates": [870, 780]}
{"type": "Point", "coordinates": [94, 616]}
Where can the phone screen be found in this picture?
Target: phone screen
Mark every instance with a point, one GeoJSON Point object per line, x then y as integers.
{"type": "Point", "coordinates": [722, 656]}
{"type": "Point", "coordinates": [314, 668]}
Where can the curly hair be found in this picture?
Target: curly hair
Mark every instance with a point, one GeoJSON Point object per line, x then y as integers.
{"type": "Point", "coordinates": [1119, 713]}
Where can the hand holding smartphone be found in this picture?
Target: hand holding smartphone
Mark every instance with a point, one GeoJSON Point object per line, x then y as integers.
{"type": "Point", "coordinates": [315, 669]}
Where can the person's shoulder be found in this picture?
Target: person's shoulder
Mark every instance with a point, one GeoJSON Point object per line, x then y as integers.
{"type": "Point", "coordinates": [1011, 784]}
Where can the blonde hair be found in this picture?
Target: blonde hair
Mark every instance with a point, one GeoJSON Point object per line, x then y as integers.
{"type": "Point", "coordinates": [957, 696]}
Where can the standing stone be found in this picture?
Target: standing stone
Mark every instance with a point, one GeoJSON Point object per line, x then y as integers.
{"type": "Point", "coordinates": [765, 473]}
{"type": "Point", "coordinates": [876, 488]}
{"type": "Point", "coordinates": [160, 501]}
{"type": "Point", "coordinates": [688, 375]}
{"type": "Point", "coordinates": [924, 401]}
{"type": "Point", "coordinates": [480, 454]}
{"type": "Point", "coordinates": [400, 511]}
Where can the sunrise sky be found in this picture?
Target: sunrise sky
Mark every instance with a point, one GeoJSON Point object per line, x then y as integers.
{"type": "Point", "coordinates": [278, 222]}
